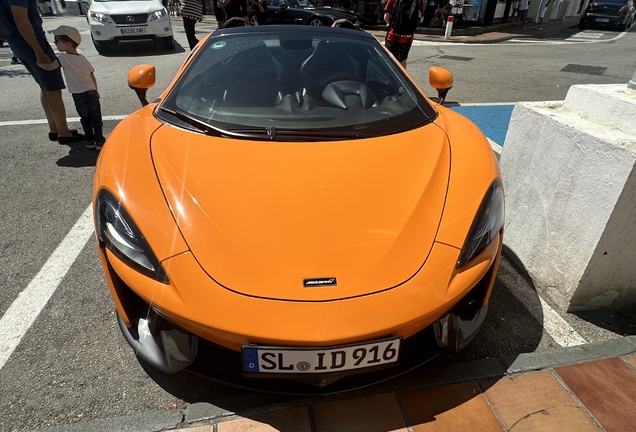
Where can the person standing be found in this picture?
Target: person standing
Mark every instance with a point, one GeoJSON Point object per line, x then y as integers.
{"type": "Point", "coordinates": [27, 40]}
{"type": "Point", "coordinates": [82, 85]}
{"type": "Point", "coordinates": [515, 7]}
{"type": "Point", "coordinates": [403, 17]}
{"type": "Point", "coordinates": [191, 12]}
{"type": "Point", "coordinates": [259, 7]}
{"type": "Point", "coordinates": [235, 9]}
{"type": "Point", "coordinates": [542, 9]}
{"type": "Point", "coordinates": [522, 12]}
{"type": "Point", "coordinates": [219, 13]}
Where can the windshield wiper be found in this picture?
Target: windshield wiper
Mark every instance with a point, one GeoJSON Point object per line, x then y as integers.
{"type": "Point", "coordinates": [207, 128]}
{"type": "Point", "coordinates": [198, 124]}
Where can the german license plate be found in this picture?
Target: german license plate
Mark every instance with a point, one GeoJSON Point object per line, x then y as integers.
{"type": "Point", "coordinates": [133, 30]}
{"type": "Point", "coordinates": [602, 19]}
{"type": "Point", "coordinates": [284, 360]}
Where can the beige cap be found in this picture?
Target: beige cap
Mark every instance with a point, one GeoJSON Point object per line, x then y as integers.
{"type": "Point", "coordinates": [70, 32]}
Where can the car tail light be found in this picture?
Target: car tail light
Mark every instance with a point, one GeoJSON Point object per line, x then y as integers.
{"type": "Point", "coordinates": [590, 8]}
{"type": "Point", "coordinates": [622, 10]}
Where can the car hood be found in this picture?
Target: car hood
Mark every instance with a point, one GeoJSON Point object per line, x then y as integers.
{"type": "Point", "coordinates": [261, 217]}
{"type": "Point", "coordinates": [126, 7]}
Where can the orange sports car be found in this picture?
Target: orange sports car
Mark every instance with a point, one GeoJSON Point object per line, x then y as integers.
{"type": "Point", "coordinates": [293, 207]}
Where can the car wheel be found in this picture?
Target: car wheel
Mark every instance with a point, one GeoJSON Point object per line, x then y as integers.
{"type": "Point", "coordinates": [167, 43]}
{"type": "Point", "coordinates": [582, 26]}
{"type": "Point", "coordinates": [315, 22]}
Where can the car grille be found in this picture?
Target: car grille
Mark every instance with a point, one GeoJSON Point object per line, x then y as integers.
{"type": "Point", "coordinates": [130, 19]}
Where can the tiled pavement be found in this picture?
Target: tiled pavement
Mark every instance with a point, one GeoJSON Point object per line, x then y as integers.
{"type": "Point", "coordinates": [596, 395]}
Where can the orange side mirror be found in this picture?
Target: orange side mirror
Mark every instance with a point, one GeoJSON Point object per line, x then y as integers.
{"type": "Point", "coordinates": [441, 80]}
{"type": "Point", "coordinates": [140, 79]}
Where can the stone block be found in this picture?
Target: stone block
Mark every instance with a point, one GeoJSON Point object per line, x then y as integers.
{"type": "Point", "coordinates": [569, 173]}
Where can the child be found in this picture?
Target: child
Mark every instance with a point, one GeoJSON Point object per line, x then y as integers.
{"type": "Point", "coordinates": [81, 84]}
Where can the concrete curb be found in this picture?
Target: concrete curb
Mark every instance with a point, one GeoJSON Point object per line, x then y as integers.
{"type": "Point", "coordinates": [250, 404]}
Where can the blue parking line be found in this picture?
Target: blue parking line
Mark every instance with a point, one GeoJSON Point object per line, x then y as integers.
{"type": "Point", "coordinates": [493, 120]}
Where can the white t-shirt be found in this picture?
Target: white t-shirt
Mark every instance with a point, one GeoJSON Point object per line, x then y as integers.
{"type": "Point", "coordinates": [524, 4]}
{"type": "Point", "coordinates": [77, 71]}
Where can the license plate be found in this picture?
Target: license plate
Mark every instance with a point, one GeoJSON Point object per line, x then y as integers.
{"type": "Point", "coordinates": [284, 360]}
{"type": "Point", "coordinates": [133, 30]}
{"type": "Point", "coordinates": [602, 19]}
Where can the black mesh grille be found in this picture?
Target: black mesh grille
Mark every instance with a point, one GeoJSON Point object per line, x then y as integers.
{"type": "Point", "coordinates": [130, 19]}
{"type": "Point", "coordinates": [585, 70]}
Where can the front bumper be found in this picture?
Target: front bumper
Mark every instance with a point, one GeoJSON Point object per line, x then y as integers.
{"type": "Point", "coordinates": [113, 33]}
{"type": "Point", "coordinates": [613, 21]}
{"type": "Point", "coordinates": [163, 343]}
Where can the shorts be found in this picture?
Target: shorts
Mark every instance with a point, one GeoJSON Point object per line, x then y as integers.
{"type": "Point", "coordinates": [542, 10]}
{"type": "Point", "coordinates": [523, 14]}
{"type": "Point", "coordinates": [400, 50]}
{"type": "Point", "coordinates": [47, 80]}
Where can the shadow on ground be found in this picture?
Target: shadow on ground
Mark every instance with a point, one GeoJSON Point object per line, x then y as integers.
{"type": "Point", "coordinates": [621, 321]}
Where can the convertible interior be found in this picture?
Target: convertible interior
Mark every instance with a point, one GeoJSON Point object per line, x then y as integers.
{"type": "Point", "coordinates": [294, 81]}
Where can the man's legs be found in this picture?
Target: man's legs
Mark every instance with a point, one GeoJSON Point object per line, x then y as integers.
{"type": "Point", "coordinates": [55, 112]}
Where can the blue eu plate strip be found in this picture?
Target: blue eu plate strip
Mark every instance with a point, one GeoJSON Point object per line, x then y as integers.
{"type": "Point", "coordinates": [250, 360]}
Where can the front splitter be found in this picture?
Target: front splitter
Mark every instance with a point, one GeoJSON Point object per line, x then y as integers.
{"type": "Point", "coordinates": [225, 366]}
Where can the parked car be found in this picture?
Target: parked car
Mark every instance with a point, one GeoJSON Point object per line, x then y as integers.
{"type": "Point", "coordinates": [113, 21]}
{"type": "Point", "coordinates": [293, 207]}
{"type": "Point", "coordinates": [615, 14]}
{"type": "Point", "coordinates": [306, 12]}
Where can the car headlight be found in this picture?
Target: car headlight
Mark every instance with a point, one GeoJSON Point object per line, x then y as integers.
{"type": "Point", "coordinates": [158, 14]}
{"type": "Point", "coordinates": [487, 224]}
{"type": "Point", "coordinates": [101, 17]}
{"type": "Point", "coordinates": [118, 232]}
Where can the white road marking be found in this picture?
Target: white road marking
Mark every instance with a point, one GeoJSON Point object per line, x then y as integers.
{"type": "Point", "coordinates": [27, 306]}
{"type": "Point", "coordinates": [527, 40]}
{"type": "Point", "coordinates": [586, 35]}
{"type": "Point", "coordinates": [43, 121]}
{"type": "Point", "coordinates": [504, 103]}
{"type": "Point", "coordinates": [553, 324]}
{"type": "Point", "coordinates": [578, 38]}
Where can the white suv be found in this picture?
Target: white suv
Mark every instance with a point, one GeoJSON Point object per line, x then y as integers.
{"type": "Point", "coordinates": [112, 21]}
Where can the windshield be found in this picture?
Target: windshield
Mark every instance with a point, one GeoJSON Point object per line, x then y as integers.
{"type": "Point", "coordinates": [312, 85]}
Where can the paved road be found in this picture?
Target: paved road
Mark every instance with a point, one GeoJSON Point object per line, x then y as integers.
{"type": "Point", "coordinates": [72, 365]}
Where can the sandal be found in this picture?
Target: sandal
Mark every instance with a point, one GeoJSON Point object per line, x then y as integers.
{"type": "Point", "coordinates": [68, 140]}
{"type": "Point", "coordinates": [53, 135]}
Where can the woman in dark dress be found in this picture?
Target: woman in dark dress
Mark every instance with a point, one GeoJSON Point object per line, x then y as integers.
{"type": "Point", "coordinates": [191, 12]}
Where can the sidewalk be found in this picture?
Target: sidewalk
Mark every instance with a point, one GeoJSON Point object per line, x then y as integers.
{"type": "Point", "coordinates": [535, 393]}
{"type": "Point", "coordinates": [498, 32]}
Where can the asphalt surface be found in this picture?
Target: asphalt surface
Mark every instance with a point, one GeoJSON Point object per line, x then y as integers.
{"type": "Point", "coordinates": [73, 367]}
